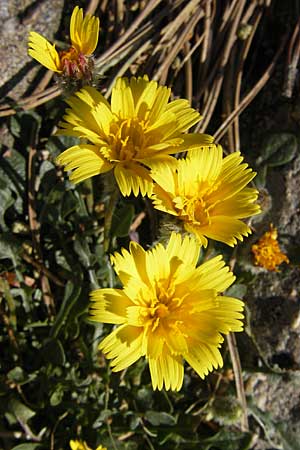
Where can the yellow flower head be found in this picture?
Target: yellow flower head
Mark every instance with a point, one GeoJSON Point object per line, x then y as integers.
{"type": "Point", "coordinates": [267, 252]}
{"type": "Point", "coordinates": [82, 445]}
{"type": "Point", "coordinates": [209, 193]}
{"type": "Point", "coordinates": [139, 129]}
{"type": "Point", "coordinates": [167, 311]}
{"type": "Point", "coordinates": [73, 62]}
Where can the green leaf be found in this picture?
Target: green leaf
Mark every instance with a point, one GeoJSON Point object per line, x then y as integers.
{"type": "Point", "coordinates": [78, 309]}
{"type": "Point", "coordinates": [6, 200]}
{"type": "Point", "coordinates": [226, 439]}
{"type": "Point", "coordinates": [16, 375]}
{"type": "Point", "coordinates": [160, 418]}
{"type": "Point", "coordinates": [104, 415]}
{"type": "Point", "coordinates": [15, 126]}
{"type": "Point", "coordinates": [10, 247]}
{"type": "Point", "coordinates": [20, 411]}
{"type": "Point", "coordinates": [122, 220]}
{"type": "Point", "coordinates": [279, 149]}
{"type": "Point", "coordinates": [57, 396]}
{"type": "Point", "coordinates": [46, 167]}
{"type": "Point", "coordinates": [50, 212]}
{"type": "Point", "coordinates": [82, 249]}
{"type": "Point", "coordinates": [238, 290]}
{"type": "Point", "coordinates": [13, 175]}
{"type": "Point", "coordinates": [72, 293]}
{"type": "Point", "coordinates": [27, 446]}
{"type": "Point", "coordinates": [68, 205]}
{"type": "Point", "coordinates": [57, 144]}
{"type": "Point", "coordinates": [261, 177]}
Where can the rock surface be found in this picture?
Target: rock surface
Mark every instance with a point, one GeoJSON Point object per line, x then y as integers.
{"type": "Point", "coordinates": [17, 18]}
{"type": "Point", "coordinates": [274, 305]}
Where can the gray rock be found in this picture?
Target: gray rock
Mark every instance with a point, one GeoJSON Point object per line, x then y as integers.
{"type": "Point", "coordinates": [17, 18]}
{"type": "Point", "coordinates": [274, 305]}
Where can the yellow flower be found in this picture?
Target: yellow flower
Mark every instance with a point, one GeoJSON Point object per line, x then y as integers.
{"type": "Point", "coordinates": [267, 252]}
{"type": "Point", "coordinates": [168, 310]}
{"type": "Point", "coordinates": [82, 445]}
{"type": "Point", "coordinates": [209, 193]}
{"type": "Point", "coordinates": [73, 62]}
{"type": "Point", "coordinates": [138, 130]}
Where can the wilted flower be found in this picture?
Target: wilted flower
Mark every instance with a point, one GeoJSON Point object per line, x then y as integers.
{"type": "Point", "coordinates": [208, 193]}
{"type": "Point", "coordinates": [75, 61]}
{"type": "Point", "coordinates": [138, 130]}
{"type": "Point", "coordinates": [82, 445]}
{"type": "Point", "coordinates": [168, 310]}
{"type": "Point", "coordinates": [267, 252]}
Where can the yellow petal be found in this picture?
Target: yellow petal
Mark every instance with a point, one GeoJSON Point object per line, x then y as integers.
{"type": "Point", "coordinates": [131, 264]}
{"type": "Point", "coordinates": [166, 178]}
{"type": "Point", "coordinates": [109, 306]}
{"type": "Point", "coordinates": [198, 232]}
{"type": "Point", "coordinates": [85, 159]}
{"type": "Point", "coordinates": [239, 206]}
{"type": "Point", "coordinates": [226, 229]}
{"type": "Point", "coordinates": [159, 104]}
{"type": "Point", "coordinates": [157, 263]}
{"type": "Point", "coordinates": [103, 117]}
{"type": "Point", "coordinates": [122, 102]}
{"type": "Point", "coordinates": [186, 117]}
{"type": "Point", "coordinates": [84, 114]}
{"type": "Point", "coordinates": [133, 178]}
{"type": "Point", "coordinates": [214, 274]}
{"type": "Point", "coordinates": [166, 371]}
{"type": "Point", "coordinates": [202, 360]}
{"type": "Point", "coordinates": [84, 32]}
{"type": "Point", "coordinates": [233, 177]}
{"type": "Point", "coordinates": [146, 99]}
{"type": "Point", "coordinates": [186, 249]}
{"type": "Point", "coordinates": [79, 445]}
{"type": "Point", "coordinates": [44, 52]}
{"type": "Point", "coordinates": [137, 86]}
{"type": "Point", "coordinates": [163, 201]}
{"type": "Point", "coordinates": [206, 161]}
{"type": "Point", "coordinates": [123, 346]}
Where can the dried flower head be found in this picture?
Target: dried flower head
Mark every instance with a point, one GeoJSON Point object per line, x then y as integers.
{"type": "Point", "coordinates": [168, 310]}
{"type": "Point", "coordinates": [208, 193]}
{"type": "Point", "coordinates": [267, 253]}
{"type": "Point", "coordinates": [75, 62]}
{"type": "Point", "coordinates": [139, 129]}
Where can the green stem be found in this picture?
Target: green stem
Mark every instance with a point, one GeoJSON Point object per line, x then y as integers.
{"type": "Point", "coordinates": [109, 211]}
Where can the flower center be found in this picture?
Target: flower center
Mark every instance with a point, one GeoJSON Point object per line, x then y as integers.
{"type": "Point", "coordinates": [162, 307]}
{"type": "Point", "coordinates": [198, 205]}
{"type": "Point", "coordinates": [127, 139]}
{"type": "Point", "coordinates": [162, 311]}
{"type": "Point", "coordinates": [75, 64]}
{"type": "Point", "coordinates": [197, 210]}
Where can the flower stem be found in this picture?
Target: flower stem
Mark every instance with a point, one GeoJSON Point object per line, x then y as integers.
{"type": "Point", "coordinates": [113, 199]}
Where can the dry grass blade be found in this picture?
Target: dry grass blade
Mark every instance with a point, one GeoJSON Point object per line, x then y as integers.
{"type": "Point", "coordinates": [133, 27]}
{"type": "Point", "coordinates": [251, 94]}
{"type": "Point", "coordinates": [237, 369]}
{"type": "Point", "coordinates": [216, 88]}
{"type": "Point", "coordinates": [178, 44]}
{"type": "Point", "coordinates": [292, 62]}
